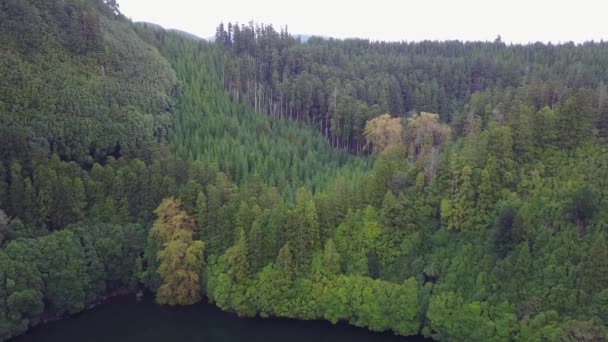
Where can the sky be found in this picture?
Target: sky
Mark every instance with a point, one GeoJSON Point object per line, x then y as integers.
{"type": "Point", "coordinates": [516, 21]}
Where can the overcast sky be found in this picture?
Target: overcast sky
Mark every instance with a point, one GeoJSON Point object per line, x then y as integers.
{"type": "Point", "coordinates": [518, 21]}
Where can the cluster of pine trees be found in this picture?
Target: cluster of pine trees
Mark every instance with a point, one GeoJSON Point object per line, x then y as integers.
{"type": "Point", "coordinates": [337, 85]}
{"type": "Point", "coordinates": [133, 158]}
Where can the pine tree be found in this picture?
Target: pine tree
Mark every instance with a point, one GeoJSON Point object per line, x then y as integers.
{"type": "Point", "coordinates": [504, 229]}
{"type": "Point", "coordinates": [521, 128]}
{"type": "Point", "coordinates": [34, 215]}
{"type": "Point", "coordinates": [463, 206]}
{"type": "Point", "coordinates": [256, 245]}
{"type": "Point", "coordinates": [16, 190]}
{"type": "Point", "coordinates": [285, 262]}
{"type": "Point", "coordinates": [602, 122]}
{"type": "Point", "coordinates": [189, 195]}
{"type": "Point", "coordinates": [238, 259]}
{"type": "Point", "coordinates": [488, 193]}
{"type": "Point", "coordinates": [582, 209]}
{"type": "Point", "coordinates": [331, 258]}
{"type": "Point", "coordinates": [211, 233]}
{"type": "Point", "coordinates": [200, 212]}
{"type": "Point", "coordinates": [545, 130]}
{"type": "Point", "coordinates": [595, 272]}
{"type": "Point", "coordinates": [576, 118]}
{"type": "Point", "coordinates": [244, 217]}
{"type": "Point", "coordinates": [3, 185]}
{"type": "Point", "coordinates": [392, 211]}
{"type": "Point", "coordinates": [523, 267]}
{"type": "Point", "coordinates": [304, 229]}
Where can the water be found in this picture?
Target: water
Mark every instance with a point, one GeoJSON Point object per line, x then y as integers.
{"type": "Point", "coordinates": [126, 319]}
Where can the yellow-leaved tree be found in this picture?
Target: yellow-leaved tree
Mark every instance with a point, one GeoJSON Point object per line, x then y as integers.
{"type": "Point", "coordinates": [425, 133]}
{"type": "Point", "coordinates": [424, 136]}
{"type": "Point", "coordinates": [181, 257]}
{"type": "Point", "coordinates": [383, 132]}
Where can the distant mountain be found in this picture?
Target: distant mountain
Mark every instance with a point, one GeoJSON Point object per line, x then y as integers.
{"type": "Point", "coordinates": [187, 35]}
{"type": "Point", "coordinates": [157, 27]}
{"type": "Point", "coordinates": [152, 26]}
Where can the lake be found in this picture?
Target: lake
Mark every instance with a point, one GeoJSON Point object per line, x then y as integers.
{"type": "Point", "coordinates": [124, 318]}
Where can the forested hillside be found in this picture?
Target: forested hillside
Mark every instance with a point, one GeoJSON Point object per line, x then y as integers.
{"type": "Point", "coordinates": [79, 82]}
{"type": "Point", "coordinates": [244, 144]}
{"type": "Point", "coordinates": [337, 85]}
{"type": "Point", "coordinates": [455, 190]}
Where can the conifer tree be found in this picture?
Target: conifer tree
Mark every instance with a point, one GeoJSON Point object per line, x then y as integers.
{"type": "Point", "coordinates": [331, 258]}
{"type": "Point", "coordinates": [258, 245]}
{"type": "Point", "coordinates": [595, 271]}
{"type": "Point", "coordinates": [238, 258]}
{"type": "Point", "coordinates": [16, 190]}
{"type": "Point", "coordinates": [463, 205]}
{"type": "Point", "coordinates": [201, 211]}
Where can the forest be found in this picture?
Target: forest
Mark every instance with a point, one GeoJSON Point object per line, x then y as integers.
{"type": "Point", "coordinates": [446, 189]}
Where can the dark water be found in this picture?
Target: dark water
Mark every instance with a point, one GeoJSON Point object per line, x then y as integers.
{"type": "Point", "coordinates": [126, 319]}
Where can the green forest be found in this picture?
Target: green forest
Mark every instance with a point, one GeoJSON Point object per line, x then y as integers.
{"type": "Point", "coordinates": [446, 189]}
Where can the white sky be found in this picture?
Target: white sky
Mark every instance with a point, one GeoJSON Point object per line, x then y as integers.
{"type": "Point", "coordinates": [518, 21]}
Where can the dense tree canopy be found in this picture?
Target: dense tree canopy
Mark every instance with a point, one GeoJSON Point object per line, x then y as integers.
{"type": "Point", "coordinates": [132, 159]}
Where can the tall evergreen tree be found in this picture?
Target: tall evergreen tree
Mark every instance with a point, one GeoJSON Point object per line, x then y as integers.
{"type": "Point", "coordinates": [595, 271]}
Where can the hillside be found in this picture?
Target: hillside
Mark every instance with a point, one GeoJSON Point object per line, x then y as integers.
{"type": "Point", "coordinates": [337, 85]}
{"type": "Point", "coordinates": [78, 82]}
{"type": "Point", "coordinates": [446, 189]}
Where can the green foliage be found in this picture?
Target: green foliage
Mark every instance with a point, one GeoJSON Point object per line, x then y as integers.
{"type": "Point", "coordinates": [239, 141]}
{"type": "Point", "coordinates": [595, 277]}
{"type": "Point", "coordinates": [64, 271]}
{"type": "Point", "coordinates": [237, 259]}
{"type": "Point", "coordinates": [337, 85]}
{"type": "Point", "coordinates": [80, 81]}
{"type": "Point", "coordinates": [180, 257]}
{"type": "Point", "coordinates": [489, 229]}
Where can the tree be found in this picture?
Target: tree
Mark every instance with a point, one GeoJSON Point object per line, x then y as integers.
{"type": "Point", "coordinates": [521, 128]}
{"type": "Point", "coordinates": [170, 219]}
{"type": "Point", "coordinates": [285, 262]}
{"type": "Point", "coordinates": [180, 257]}
{"type": "Point", "coordinates": [595, 271]}
{"type": "Point", "coordinates": [237, 259]}
{"type": "Point", "coordinates": [189, 195]}
{"type": "Point", "coordinates": [463, 205]}
{"type": "Point", "coordinates": [602, 121]}
{"type": "Point", "coordinates": [181, 262]}
{"type": "Point", "coordinates": [488, 193]}
{"type": "Point", "coordinates": [303, 229]}
{"type": "Point", "coordinates": [508, 229]}
{"type": "Point", "coordinates": [575, 330]}
{"type": "Point", "coordinates": [392, 212]}
{"type": "Point", "coordinates": [582, 209]}
{"type": "Point", "coordinates": [64, 263]}
{"type": "Point", "coordinates": [425, 134]}
{"type": "Point", "coordinates": [16, 190]}
{"type": "Point", "coordinates": [576, 118]}
{"type": "Point", "coordinates": [383, 132]}
{"type": "Point", "coordinates": [258, 246]}
{"type": "Point", "coordinates": [3, 186]}
{"type": "Point", "coordinates": [113, 6]}
{"type": "Point", "coordinates": [331, 258]}
{"type": "Point", "coordinates": [201, 212]}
